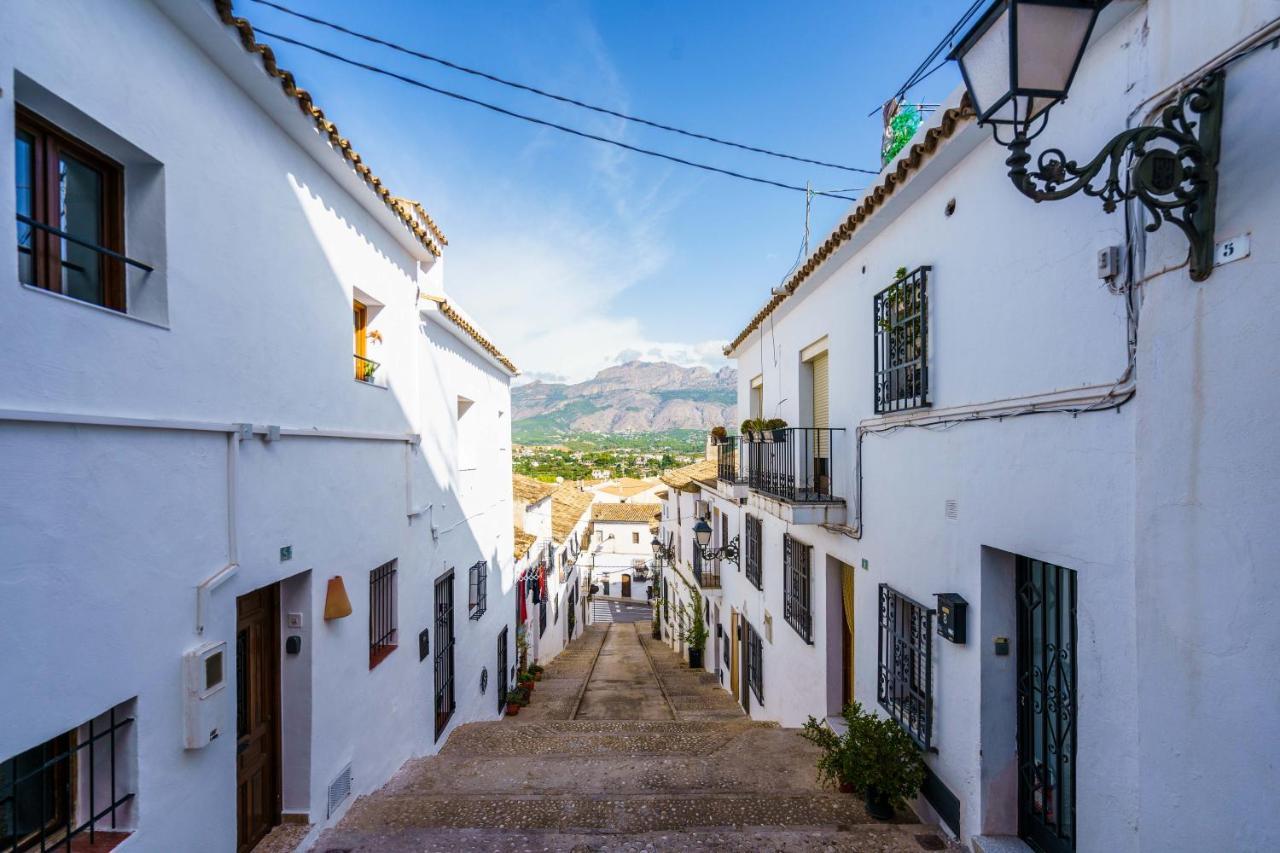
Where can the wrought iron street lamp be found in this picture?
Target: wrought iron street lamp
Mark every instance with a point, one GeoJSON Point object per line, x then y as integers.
{"type": "Point", "coordinates": [661, 553]}
{"type": "Point", "coordinates": [702, 537]}
{"type": "Point", "coordinates": [1018, 61]}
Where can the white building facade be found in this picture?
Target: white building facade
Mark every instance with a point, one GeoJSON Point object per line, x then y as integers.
{"type": "Point", "coordinates": [1082, 467]}
{"type": "Point", "coordinates": [257, 499]}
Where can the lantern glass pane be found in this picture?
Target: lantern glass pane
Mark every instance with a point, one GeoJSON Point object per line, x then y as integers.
{"type": "Point", "coordinates": [986, 65]}
{"type": "Point", "coordinates": [1050, 40]}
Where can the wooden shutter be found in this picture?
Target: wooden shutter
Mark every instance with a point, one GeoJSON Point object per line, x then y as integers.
{"type": "Point", "coordinates": [821, 406]}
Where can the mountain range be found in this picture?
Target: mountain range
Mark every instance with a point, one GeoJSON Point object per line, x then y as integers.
{"type": "Point", "coordinates": [635, 397]}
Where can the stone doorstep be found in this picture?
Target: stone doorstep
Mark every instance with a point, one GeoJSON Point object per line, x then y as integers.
{"type": "Point", "coordinates": [998, 844]}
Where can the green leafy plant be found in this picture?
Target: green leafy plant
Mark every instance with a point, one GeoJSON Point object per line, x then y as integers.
{"type": "Point", "coordinates": [695, 635]}
{"type": "Point", "coordinates": [893, 293]}
{"type": "Point", "coordinates": [518, 696]}
{"type": "Point", "coordinates": [874, 754]}
{"type": "Point", "coordinates": [904, 124]}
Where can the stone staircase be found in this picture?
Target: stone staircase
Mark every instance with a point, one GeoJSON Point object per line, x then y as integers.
{"type": "Point", "coordinates": [561, 777]}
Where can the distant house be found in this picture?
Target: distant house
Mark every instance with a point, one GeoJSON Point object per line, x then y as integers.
{"type": "Point", "coordinates": [621, 547]}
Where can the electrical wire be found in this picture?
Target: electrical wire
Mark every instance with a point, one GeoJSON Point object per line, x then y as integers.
{"type": "Point", "coordinates": [543, 93]}
{"type": "Point", "coordinates": [919, 75]}
{"type": "Point", "coordinates": [543, 122]}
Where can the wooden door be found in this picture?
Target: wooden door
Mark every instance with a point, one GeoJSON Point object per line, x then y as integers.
{"type": "Point", "coordinates": [626, 586]}
{"type": "Point", "coordinates": [734, 631]}
{"type": "Point", "coordinates": [257, 715]}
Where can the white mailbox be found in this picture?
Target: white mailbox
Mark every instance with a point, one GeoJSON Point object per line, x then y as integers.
{"type": "Point", "coordinates": [204, 700]}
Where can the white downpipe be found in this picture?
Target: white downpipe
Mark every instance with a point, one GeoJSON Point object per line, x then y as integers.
{"type": "Point", "coordinates": [224, 574]}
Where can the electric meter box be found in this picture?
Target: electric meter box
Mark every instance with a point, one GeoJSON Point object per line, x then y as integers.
{"type": "Point", "coordinates": [204, 699]}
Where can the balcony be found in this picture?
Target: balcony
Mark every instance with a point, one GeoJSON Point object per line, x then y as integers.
{"type": "Point", "coordinates": [365, 370]}
{"type": "Point", "coordinates": [705, 572]}
{"type": "Point", "coordinates": [794, 475]}
{"type": "Point", "coordinates": [728, 461]}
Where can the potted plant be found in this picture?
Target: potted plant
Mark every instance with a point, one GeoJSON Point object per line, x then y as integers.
{"type": "Point", "coordinates": [874, 755]}
{"type": "Point", "coordinates": [537, 671]}
{"type": "Point", "coordinates": [749, 429]}
{"type": "Point", "coordinates": [718, 435]}
{"type": "Point", "coordinates": [525, 679]}
{"type": "Point", "coordinates": [774, 429]}
{"type": "Point", "coordinates": [657, 620]}
{"type": "Point", "coordinates": [695, 635]}
{"type": "Point", "coordinates": [518, 698]}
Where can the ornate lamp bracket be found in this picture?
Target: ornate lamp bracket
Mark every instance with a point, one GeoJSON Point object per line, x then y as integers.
{"type": "Point", "coordinates": [728, 552]}
{"type": "Point", "coordinates": [1170, 168]}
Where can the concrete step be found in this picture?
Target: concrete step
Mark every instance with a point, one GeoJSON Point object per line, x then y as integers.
{"type": "Point", "coordinates": [860, 838]}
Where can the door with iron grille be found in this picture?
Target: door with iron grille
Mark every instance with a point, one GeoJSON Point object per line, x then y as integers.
{"type": "Point", "coordinates": [444, 652]}
{"type": "Point", "coordinates": [502, 669]}
{"type": "Point", "coordinates": [1046, 705]}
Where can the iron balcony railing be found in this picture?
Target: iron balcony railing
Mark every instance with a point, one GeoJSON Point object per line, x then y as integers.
{"type": "Point", "coordinates": [729, 467]}
{"type": "Point", "coordinates": [705, 572]}
{"type": "Point", "coordinates": [365, 369]}
{"type": "Point", "coordinates": [795, 464]}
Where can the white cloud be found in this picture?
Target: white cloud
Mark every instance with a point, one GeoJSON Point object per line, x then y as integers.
{"type": "Point", "coordinates": [542, 274]}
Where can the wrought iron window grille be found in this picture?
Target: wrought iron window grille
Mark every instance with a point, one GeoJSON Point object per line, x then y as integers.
{"type": "Point", "coordinates": [901, 340]}
{"type": "Point", "coordinates": [797, 586]}
{"type": "Point", "coordinates": [382, 613]}
{"type": "Point", "coordinates": [904, 680]}
{"type": "Point", "coordinates": [754, 551]}
{"type": "Point", "coordinates": [755, 662]}
{"type": "Point", "coordinates": [478, 589]}
{"type": "Point", "coordinates": [45, 790]}
{"type": "Point", "coordinates": [444, 663]}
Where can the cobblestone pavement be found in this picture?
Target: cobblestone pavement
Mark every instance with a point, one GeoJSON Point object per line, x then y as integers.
{"type": "Point", "coordinates": [623, 748]}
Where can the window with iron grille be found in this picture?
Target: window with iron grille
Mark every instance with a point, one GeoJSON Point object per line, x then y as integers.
{"type": "Point", "coordinates": [382, 613]}
{"type": "Point", "coordinates": [478, 589]}
{"type": "Point", "coordinates": [796, 591]}
{"type": "Point", "coordinates": [902, 344]}
{"type": "Point", "coordinates": [71, 789]}
{"type": "Point", "coordinates": [754, 552]}
{"type": "Point", "coordinates": [444, 698]}
{"type": "Point", "coordinates": [755, 662]}
{"type": "Point", "coordinates": [542, 616]}
{"type": "Point", "coordinates": [904, 681]}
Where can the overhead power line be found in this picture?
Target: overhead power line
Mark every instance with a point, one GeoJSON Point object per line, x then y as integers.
{"type": "Point", "coordinates": [923, 70]}
{"type": "Point", "coordinates": [543, 122]}
{"type": "Point", "coordinates": [542, 92]}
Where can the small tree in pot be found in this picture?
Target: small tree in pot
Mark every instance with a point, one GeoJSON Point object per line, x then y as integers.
{"type": "Point", "coordinates": [695, 636]}
{"type": "Point", "coordinates": [875, 756]}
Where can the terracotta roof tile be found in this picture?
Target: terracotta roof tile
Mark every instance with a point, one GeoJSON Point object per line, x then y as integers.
{"type": "Point", "coordinates": [528, 490]}
{"type": "Point", "coordinates": [403, 208]}
{"type": "Point", "coordinates": [568, 505]}
{"type": "Point", "coordinates": [523, 542]}
{"type": "Point", "coordinates": [625, 512]}
{"type": "Point", "coordinates": [472, 332]}
{"type": "Point", "coordinates": [690, 477]}
{"type": "Point", "coordinates": [872, 199]}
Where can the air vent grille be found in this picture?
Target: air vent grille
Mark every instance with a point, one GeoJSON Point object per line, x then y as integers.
{"type": "Point", "coordinates": [952, 509]}
{"type": "Point", "coordinates": [339, 789]}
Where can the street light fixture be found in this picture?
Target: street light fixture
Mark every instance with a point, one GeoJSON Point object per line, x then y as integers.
{"type": "Point", "coordinates": [1019, 60]}
{"type": "Point", "coordinates": [661, 553]}
{"type": "Point", "coordinates": [702, 535]}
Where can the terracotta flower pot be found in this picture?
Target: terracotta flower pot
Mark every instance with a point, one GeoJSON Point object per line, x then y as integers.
{"type": "Point", "coordinates": [512, 709]}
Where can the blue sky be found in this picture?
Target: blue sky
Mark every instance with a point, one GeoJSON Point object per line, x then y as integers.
{"type": "Point", "coordinates": [573, 254]}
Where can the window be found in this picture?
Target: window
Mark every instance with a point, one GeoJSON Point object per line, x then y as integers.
{"type": "Point", "coordinates": [755, 403]}
{"type": "Point", "coordinates": [542, 612]}
{"type": "Point", "coordinates": [755, 661]}
{"type": "Point", "coordinates": [70, 215]}
{"type": "Point", "coordinates": [365, 367]}
{"type": "Point", "coordinates": [635, 538]}
{"type": "Point", "coordinates": [478, 589]}
{"type": "Point", "coordinates": [796, 595]}
{"type": "Point", "coordinates": [902, 344]}
{"type": "Point", "coordinates": [76, 785]}
{"type": "Point", "coordinates": [904, 681]}
{"type": "Point", "coordinates": [753, 552]}
{"type": "Point", "coordinates": [444, 652]}
{"type": "Point", "coordinates": [382, 613]}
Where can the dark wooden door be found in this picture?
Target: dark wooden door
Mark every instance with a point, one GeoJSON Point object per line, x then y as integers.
{"type": "Point", "coordinates": [257, 715]}
{"type": "Point", "coordinates": [626, 586]}
{"type": "Point", "coordinates": [1046, 705]}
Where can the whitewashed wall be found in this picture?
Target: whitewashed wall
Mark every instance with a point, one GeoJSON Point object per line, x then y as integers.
{"type": "Point", "coordinates": [107, 531]}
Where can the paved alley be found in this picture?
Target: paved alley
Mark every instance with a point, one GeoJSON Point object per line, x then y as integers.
{"type": "Point", "coordinates": [623, 748]}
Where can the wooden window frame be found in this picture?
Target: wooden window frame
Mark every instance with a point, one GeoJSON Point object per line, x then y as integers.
{"type": "Point", "coordinates": [48, 142]}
